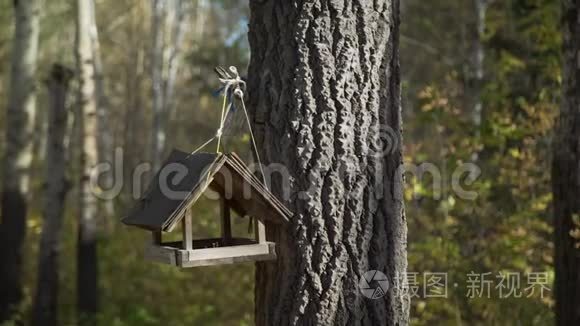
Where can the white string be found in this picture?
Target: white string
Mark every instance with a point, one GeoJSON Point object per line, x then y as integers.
{"type": "Point", "coordinates": [240, 85]}
{"type": "Point", "coordinates": [235, 81]}
{"type": "Point", "coordinates": [253, 139]}
{"type": "Point", "coordinates": [207, 180]}
{"type": "Point", "coordinates": [203, 145]}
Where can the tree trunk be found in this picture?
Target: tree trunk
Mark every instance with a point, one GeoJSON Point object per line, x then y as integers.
{"type": "Point", "coordinates": [566, 175]}
{"type": "Point", "coordinates": [87, 278]}
{"type": "Point", "coordinates": [167, 30]}
{"type": "Point", "coordinates": [157, 46]}
{"type": "Point", "coordinates": [179, 12]}
{"type": "Point", "coordinates": [18, 152]}
{"type": "Point", "coordinates": [134, 117]}
{"type": "Point", "coordinates": [478, 62]}
{"type": "Point", "coordinates": [105, 134]}
{"type": "Point", "coordinates": [46, 301]}
{"type": "Point", "coordinates": [324, 91]}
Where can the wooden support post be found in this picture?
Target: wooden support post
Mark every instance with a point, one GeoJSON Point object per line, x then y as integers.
{"type": "Point", "coordinates": [187, 230]}
{"type": "Point", "coordinates": [226, 221]}
{"type": "Point", "coordinates": [157, 238]}
{"type": "Point", "coordinates": [260, 231]}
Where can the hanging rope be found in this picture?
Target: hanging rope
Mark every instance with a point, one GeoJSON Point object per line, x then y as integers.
{"type": "Point", "coordinates": [228, 82]}
{"type": "Point", "coordinates": [222, 120]}
{"type": "Point", "coordinates": [203, 145]}
{"type": "Point", "coordinates": [254, 141]}
{"type": "Point", "coordinates": [238, 85]}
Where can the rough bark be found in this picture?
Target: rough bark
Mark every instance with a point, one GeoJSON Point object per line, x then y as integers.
{"type": "Point", "coordinates": [45, 306]}
{"type": "Point", "coordinates": [566, 174]}
{"type": "Point", "coordinates": [17, 152]}
{"type": "Point", "coordinates": [87, 276]}
{"type": "Point", "coordinates": [324, 91]}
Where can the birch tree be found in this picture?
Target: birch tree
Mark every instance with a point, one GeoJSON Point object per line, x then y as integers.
{"type": "Point", "coordinates": [566, 175]}
{"type": "Point", "coordinates": [87, 276]}
{"type": "Point", "coordinates": [478, 60]}
{"type": "Point", "coordinates": [158, 132]}
{"type": "Point", "coordinates": [324, 91]}
{"type": "Point", "coordinates": [105, 134]}
{"type": "Point", "coordinates": [134, 117]}
{"type": "Point", "coordinates": [169, 19]}
{"type": "Point", "coordinates": [45, 308]}
{"type": "Point", "coordinates": [18, 151]}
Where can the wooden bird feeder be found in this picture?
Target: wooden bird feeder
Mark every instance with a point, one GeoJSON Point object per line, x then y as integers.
{"type": "Point", "coordinates": [180, 182]}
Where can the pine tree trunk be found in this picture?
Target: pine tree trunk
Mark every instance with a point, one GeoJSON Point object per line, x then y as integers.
{"type": "Point", "coordinates": [18, 152]}
{"type": "Point", "coordinates": [566, 175]}
{"type": "Point", "coordinates": [87, 276]}
{"type": "Point", "coordinates": [324, 91]}
{"type": "Point", "coordinates": [46, 300]}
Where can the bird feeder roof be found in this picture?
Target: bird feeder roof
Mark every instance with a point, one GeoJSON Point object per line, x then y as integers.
{"type": "Point", "coordinates": [184, 177]}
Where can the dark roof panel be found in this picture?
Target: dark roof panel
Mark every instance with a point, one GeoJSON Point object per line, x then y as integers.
{"type": "Point", "coordinates": [169, 189]}
{"type": "Point", "coordinates": [184, 177]}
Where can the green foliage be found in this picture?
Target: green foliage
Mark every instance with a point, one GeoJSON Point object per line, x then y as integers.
{"type": "Point", "coordinates": [507, 228]}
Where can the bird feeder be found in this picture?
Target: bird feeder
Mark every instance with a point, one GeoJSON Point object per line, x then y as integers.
{"type": "Point", "coordinates": [169, 201]}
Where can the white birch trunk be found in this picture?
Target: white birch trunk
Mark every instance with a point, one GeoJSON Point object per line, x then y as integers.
{"type": "Point", "coordinates": [17, 157]}
{"type": "Point", "coordinates": [104, 136]}
{"type": "Point", "coordinates": [157, 45]}
{"type": "Point", "coordinates": [86, 247]}
{"type": "Point", "coordinates": [478, 60]}
{"type": "Point", "coordinates": [22, 102]}
{"type": "Point", "coordinates": [169, 19]}
{"type": "Point", "coordinates": [179, 11]}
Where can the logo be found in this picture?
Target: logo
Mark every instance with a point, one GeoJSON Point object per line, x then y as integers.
{"type": "Point", "coordinates": [374, 284]}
